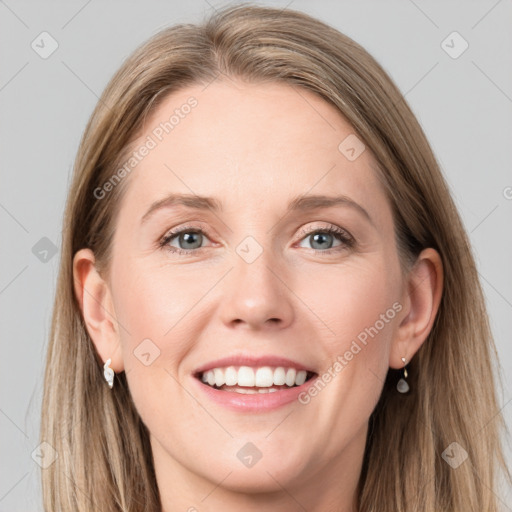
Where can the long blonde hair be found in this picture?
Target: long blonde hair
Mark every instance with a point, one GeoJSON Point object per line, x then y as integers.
{"type": "Point", "coordinates": [104, 456]}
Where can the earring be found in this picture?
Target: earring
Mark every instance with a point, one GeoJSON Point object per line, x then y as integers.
{"type": "Point", "coordinates": [402, 385]}
{"type": "Point", "coordinates": [108, 373]}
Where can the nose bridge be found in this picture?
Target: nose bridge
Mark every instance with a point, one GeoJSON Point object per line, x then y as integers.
{"type": "Point", "coordinates": [256, 293]}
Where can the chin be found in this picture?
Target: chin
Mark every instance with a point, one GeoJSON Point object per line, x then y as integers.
{"type": "Point", "coordinates": [268, 474]}
{"type": "Point", "coordinates": [256, 481]}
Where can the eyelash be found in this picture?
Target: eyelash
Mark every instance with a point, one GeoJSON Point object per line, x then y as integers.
{"type": "Point", "coordinates": [342, 235]}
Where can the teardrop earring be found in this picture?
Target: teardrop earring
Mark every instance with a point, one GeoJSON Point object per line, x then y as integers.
{"type": "Point", "coordinates": [402, 385]}
{"type": "Point", "coordinates": [108, 373]}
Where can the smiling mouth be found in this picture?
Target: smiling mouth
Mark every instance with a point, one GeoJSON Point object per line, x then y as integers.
{"type": "Point", "coordinates": [247, 380]}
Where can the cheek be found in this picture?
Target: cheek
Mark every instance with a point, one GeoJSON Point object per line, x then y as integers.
{"type": "Point", "coordinates": [351, 299]}
{"type": "Point", "coordinates": [345, 302]}
{"type": "Point", "coordinates": [359, 304]}
{"type": "Point", "coordinates": [154, 300]}
{"type": "Point", "coordinates": [154, 307]}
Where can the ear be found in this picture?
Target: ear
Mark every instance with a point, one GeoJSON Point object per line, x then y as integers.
{"type": "Point", "coordinates": [421, 298]}
{"type": "Point", "coordinates": [95, 300]}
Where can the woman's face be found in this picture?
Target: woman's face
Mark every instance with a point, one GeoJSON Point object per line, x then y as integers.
{"type": "Point", "coordinates": [250, 278]}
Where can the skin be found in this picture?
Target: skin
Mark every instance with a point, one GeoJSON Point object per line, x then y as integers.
{"type": "Point", "coordinates": [248, 146]}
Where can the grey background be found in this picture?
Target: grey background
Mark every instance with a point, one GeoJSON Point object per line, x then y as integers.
{"type": "Point", "coordinates": [463, 104]}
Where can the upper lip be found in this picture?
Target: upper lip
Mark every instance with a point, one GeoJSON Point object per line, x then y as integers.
{"type": "Point", "coordinates": [252, 360]}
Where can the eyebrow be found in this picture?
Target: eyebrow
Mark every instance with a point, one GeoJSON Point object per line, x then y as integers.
{"type": "Point", "coordinates": [300, 203]}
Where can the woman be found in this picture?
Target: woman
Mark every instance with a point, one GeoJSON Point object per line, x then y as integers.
{"type": "Point", "coordinates": [206, 352]}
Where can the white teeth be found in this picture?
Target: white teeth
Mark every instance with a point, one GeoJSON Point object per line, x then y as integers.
{"type": "Point", "coordinates": [290, 377]}
{"type": "Point", "coordinates": [279, 376]}
{"type": "Point", "coordinates": [219, 377]}
{"type": "Point", "coordinates": [247, 391]}
{"type": "Point", "coordinates": [231, 376]}
{"type": "Point", "coordinates": [267, 390]}
{"type": "Point", "coordinates": [251, 391]}
{"type": "Point", "coordinates": [300, 378]}
{"type": "Point", "coordinates": [263, 377]}
{"type": "Point", "coordinates": [246, 376]}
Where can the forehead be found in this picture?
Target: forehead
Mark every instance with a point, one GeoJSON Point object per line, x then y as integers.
{"type": "Point", "coordinates": [244, 142]}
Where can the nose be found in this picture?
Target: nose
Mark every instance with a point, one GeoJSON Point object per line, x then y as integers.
{"type": "Point", "coordinates": [257, 295]}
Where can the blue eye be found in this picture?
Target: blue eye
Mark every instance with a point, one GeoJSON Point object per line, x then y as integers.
{"type": "Point", "coordinates": [191, 238]}
{"type": "Point", "coordinates": [323, 236]}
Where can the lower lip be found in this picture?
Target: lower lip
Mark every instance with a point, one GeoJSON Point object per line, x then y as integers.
{"type": "Point", "coordinates": [255, 402]}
